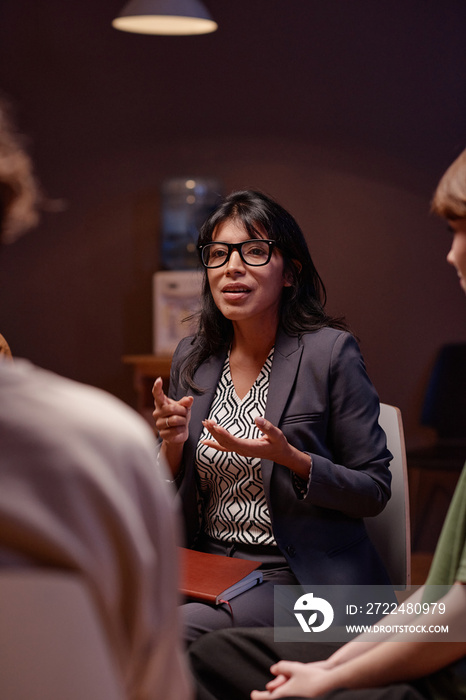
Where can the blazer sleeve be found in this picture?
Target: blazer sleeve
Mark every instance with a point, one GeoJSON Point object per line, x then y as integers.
{"type": "Point", "coordinates": [350, 468]}
{"type": "Point", "coordinates": [177, 360]}
{"type": "Point", "coordinates": [176, 391]}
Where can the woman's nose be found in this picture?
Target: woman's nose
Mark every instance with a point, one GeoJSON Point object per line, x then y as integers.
{"type": "Point", "coordinates": [235, 262]}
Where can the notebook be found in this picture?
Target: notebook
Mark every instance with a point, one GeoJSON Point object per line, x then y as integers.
{"type": "Point", "coordinates": [214, 578]}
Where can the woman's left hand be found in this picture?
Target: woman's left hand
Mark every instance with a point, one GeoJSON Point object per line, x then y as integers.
{"type": "Point", "coordinates": [272, 445]}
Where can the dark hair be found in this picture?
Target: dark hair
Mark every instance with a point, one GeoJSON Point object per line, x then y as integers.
{"type": "Point", "coordinates": [302, 303]}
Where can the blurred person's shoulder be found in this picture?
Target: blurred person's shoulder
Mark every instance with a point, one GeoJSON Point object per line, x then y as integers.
{"type": "Point", "coordinates": [41, 411]}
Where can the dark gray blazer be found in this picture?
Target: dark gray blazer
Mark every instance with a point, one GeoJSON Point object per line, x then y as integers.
{"type": "Point", "coordinates": [322, 399]}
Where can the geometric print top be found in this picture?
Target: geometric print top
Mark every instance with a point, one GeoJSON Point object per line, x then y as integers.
{"type": "Point", "coordinates": [235, 509]}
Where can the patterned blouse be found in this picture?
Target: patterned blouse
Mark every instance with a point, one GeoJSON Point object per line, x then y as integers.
{"type": "Point", "coordinates": [231, 485]}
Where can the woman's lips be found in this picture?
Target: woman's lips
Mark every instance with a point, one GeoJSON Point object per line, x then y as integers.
{"type": "Point", "coordinates": [235, 291]}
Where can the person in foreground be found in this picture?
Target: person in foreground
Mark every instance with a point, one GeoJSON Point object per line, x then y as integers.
{"type": "Point", "coordinates": [81, 491]}
{"type": "Point", "coordinates": [270, 425]}
{"type": "Point", "coordinates": [404, 665]}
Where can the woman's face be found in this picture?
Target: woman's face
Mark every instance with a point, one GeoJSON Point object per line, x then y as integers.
{"type": "Point", "coordinates": [457, 254]}
{"type": "Point", "coordinates": [242, 292]}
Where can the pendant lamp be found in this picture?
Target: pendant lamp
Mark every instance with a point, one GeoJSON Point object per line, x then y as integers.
{"type": "Point", "coordinates": [169, 17]}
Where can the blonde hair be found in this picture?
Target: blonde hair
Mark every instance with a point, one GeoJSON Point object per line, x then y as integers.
{"type": "Point", "coordinates": [19, 191]}
{"type": "Point", "coordinates": [449, 199]}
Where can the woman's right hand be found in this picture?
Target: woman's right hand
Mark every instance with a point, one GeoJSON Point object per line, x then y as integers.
{"type": "Point", "coordinates": [171, 417]}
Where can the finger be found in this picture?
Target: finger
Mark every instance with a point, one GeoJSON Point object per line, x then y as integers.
{"type": "Point", "coordinates": [157, 393]}
{"type": "Point", "coordinates": [215, 429]}
{"type": "Point", "coordinates": [180, 408]}
{"type": "Point", "coordinates": [214, 445]}
{"type": "Point", "coordinates": [224, 441]}
{"type": "Point", "coordinates": [265, 426]}
{"type": "Point", "coordinates": [260, 695]}
{"type": "Point", "coordinates": [221, 435]}
{"type": "Point", "coordinates": [276, 682]}
{"type": "Point", "coordinates": [268, 694]}
{"type": "Point", "coordinates": [186, 401]}
{"type": "Point", "coordinates": [284, 667]}
{"type": "Point", "coordinates": [171, 426]}
{"type": "Point", "coordinates": [209, 423]}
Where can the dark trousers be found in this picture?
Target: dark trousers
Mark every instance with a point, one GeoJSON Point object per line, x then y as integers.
{"type": "Point", "coordinates": [228, 664]}
{"type": "Point", "coordinates": [253, 608]}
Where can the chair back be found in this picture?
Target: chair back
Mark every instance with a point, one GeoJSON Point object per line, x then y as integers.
{"type": "Point", "coordinates": [390, 530]}
{"type": "Point", "coordinates": [51, 640]}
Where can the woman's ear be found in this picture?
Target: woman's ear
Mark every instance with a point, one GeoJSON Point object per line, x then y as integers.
{"type": "Point", "coordinates": [289, 273]}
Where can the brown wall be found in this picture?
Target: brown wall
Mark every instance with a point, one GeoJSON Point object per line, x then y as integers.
{"type": "Point", "coordinates": [346, 112]}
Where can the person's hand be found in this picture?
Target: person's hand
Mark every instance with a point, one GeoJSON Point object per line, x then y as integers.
{"type": "Point", "coordinates": [294, 679]}
{"type": "Point", "coordinates": [272, 445]}
{"type": "Point", "coordinates": [171, 417]}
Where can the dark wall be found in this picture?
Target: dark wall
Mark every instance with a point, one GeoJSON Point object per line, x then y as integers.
{"type": "Point", "coordinates": [347, 112]}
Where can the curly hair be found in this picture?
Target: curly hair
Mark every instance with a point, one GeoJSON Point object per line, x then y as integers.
{"type": "Point", "coordinates": [19, 191]}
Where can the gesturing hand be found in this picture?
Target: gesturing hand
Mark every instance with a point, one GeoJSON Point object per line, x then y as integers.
{"type": "Point", "coordinates": [171, 417]}
{"type": "Point", "coordinates": [272, 445]}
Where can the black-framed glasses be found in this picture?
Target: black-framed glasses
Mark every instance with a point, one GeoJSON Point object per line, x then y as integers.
{"type": "Point", "coordinates": [254, 251]}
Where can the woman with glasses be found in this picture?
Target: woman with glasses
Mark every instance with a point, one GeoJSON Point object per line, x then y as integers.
{"type": "Point", "coordinates": [270, 425]}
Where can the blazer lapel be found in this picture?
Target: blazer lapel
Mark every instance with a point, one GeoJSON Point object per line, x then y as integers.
{"type": "Point", "coordinates": [206, 376]}
{"type": "Point", "coordinates": [285, 365]}
{"type": "Point", "coordinates": [286, 358]}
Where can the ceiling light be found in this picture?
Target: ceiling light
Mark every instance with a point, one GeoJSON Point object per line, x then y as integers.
{"type": "Point", "coordinates": [169, 17]}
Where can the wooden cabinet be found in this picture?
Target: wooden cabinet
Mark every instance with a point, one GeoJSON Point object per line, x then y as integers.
{"type": "Point", "coordinates": [146, 369]}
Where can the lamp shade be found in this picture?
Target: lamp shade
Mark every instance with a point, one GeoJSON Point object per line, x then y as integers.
{"type": "Point", "coordinates": [170, 17]}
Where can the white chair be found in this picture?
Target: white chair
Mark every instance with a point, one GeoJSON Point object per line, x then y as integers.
{"type": "Point", "coordinates": [390, 531]}
{"type": "Point", "coordinates": [52, 645]}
